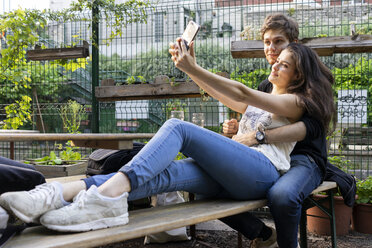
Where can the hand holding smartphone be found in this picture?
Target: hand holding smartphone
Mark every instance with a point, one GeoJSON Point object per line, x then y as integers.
{"type": "Point", "coordinates": [190, 32]}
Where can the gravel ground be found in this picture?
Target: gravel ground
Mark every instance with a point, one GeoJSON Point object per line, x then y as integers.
{"type": "Point", "coordinates": [225, 237]}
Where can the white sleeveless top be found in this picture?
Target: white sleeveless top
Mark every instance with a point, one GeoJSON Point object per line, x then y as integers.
{"type": "Point", "coordinates": [277, 153]}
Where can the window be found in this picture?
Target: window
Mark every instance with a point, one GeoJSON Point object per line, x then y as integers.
{"type": "Point", "coordinates": [159, 26]}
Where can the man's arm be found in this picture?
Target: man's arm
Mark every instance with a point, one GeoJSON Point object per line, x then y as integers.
{"type": "Point", "coordinates": [308, 127]}
{"type": "Point", "coordinates": [288, 133]}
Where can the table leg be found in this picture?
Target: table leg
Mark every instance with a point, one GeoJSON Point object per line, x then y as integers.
{"type": "Point", "coordinates": [11, 146]}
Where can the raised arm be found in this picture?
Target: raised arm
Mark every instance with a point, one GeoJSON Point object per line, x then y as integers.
{"type": "Point", "coordinates": [228, 91]}
{"type": "Point", "coordinates": [237, 106]}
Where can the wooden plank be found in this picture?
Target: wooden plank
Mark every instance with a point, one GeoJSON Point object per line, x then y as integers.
{"type": "Point", "coordinates": [324, 46]}
{"type": "Point", "coordinates": [58, 53]}
{"type": "Point", "coordinates": [326, 185]}
{"type": "Point", "coordinates": [66, 179]}
{"type": "Point", "coordinates": [106, 144]}
{"type": "Point", "coordinates": [147, 91]}
{"type": "Point", "coordinates": [141, 223]}
{"type": "Point", "coordinates": [350, 153]}
{"type": "Point", "coordinates": [354, 140]}
{"type": "Point", "coordinates": [74, 137]}
{"type": "Point", "coordinates": [62, 170]}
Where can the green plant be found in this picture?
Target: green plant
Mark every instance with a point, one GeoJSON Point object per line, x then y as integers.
{"type": "Point", "coordinates": [250, 79]}
{"type": "Point", "coordinates": [291, 11]}
{"type": "Point", "coordinates": [52, 159]}
{"type": "Point", "coordinates": [131, 80]}
{"type": "Point", "coordinates": [71, 114]}
{"type": "Point", "coordinates": [22, 29]}
{"type": "Point", "coordinates": [340, 162]}
{"type": "Point", "coordinates": [70, 155]}
{"type": "Point", "coordinates": [66, 156]}
{"type": "Point", "coordinates": [141, 79]}
{"type": "Point", "coordinates": [364, 190]}
{"type": "Point", "coordinates": [17, 113]}
{"type": "Point", "coordinates": [175, 105]}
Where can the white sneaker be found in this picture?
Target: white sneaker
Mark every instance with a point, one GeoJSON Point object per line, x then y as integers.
{"type": "Point", "coordinates": [89, 211]}
{"type": "Point", "coordinates": [4, 217]}
{"type": "Point", "coordinates": [30, 205]}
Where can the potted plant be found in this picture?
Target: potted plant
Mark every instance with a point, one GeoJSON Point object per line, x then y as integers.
{"type": "Point", "coordinates": [318, 222]}
{"type": "Point", "coordinates": [362, 214]}
{"type": "Point", "coordinates": [69, 161]}
{"type": "Point", "coordinates": [136, 88]}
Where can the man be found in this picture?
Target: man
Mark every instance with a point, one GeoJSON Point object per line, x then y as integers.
{"type": "Point", "coordinates": [308, 159]}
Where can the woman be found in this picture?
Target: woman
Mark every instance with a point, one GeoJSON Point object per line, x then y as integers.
{"type": "Point", "coordinates": [216, 167]}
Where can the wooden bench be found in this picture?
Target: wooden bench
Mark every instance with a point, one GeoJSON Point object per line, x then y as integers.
{"type": "Point", "coordinates": [154, 220]}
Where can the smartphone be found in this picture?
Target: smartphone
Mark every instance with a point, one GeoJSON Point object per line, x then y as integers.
{"type": "Point", "coordinates": [190, 32]}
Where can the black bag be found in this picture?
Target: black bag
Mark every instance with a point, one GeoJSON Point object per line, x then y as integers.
{"type": "Point", "coordinates": [105, 161]}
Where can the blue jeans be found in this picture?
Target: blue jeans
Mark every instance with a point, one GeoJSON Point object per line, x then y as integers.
{"type": "Point", "coordinates": [285, 199]}
{"type": "Point", "coordinates": [217, 166]}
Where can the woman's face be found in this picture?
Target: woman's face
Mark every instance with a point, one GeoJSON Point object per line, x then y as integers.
{"type": "Point", "coordinates": [274, 43]}
{"type": "Point", "coordinates": [283, 70]}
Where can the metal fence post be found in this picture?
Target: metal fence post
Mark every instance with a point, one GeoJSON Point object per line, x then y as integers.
{"type": "Point", "coordinates": [95, 66]}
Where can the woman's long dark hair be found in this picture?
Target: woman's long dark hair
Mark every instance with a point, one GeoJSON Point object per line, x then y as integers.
{"type": "Point", "coordinates": [314, 86]}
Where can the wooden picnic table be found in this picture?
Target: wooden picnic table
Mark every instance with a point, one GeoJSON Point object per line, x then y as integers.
{"type": "Point", "coordinates": [115, 141]}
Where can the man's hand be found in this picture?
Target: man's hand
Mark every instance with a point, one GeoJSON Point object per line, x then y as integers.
{"type": "Point", "coordinates": [248, 139]}
{"type": "Point", "coordinates": [230, 126]}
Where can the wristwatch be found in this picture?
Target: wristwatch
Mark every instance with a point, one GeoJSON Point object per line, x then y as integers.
{"type": "Point", "coordinates": [260, 136]}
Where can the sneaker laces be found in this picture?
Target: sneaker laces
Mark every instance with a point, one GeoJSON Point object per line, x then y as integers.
{"type": "Point", "coordinates": [44, 191]}
{"type": "Point", "coordinates": [80, 199]}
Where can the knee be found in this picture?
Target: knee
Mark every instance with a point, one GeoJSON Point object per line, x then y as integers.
{"type": "Point", "coordinates": [283, 198]}
{"type": "Point", "coordinates": [173, 124]}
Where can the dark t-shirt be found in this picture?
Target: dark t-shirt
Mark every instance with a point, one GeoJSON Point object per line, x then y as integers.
{"type": "Point", "coordinates": [314, 144]}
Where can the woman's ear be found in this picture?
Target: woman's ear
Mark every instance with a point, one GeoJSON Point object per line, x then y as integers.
{"type": "Point", "coordinates": [297, 76]}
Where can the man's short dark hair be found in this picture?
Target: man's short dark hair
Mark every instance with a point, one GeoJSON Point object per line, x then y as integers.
{"type": "Point", "coordinates": [285, 24]}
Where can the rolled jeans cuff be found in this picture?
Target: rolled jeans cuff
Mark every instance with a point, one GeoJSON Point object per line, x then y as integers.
{"type": "Point", "coordinates": [89, 181]}
{"type": "Point", "coordinates": [129, 172]}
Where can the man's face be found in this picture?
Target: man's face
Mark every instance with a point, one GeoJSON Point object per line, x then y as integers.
{"type": "Point", "coordinates": [274, 42]}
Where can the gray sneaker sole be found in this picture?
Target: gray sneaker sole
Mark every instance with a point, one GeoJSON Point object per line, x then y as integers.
{"type": "Point", "coordinates": [90, 226]}
{"type": "Point", "coordinates": [24, 217]}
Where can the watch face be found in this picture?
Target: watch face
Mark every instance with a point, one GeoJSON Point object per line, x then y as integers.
{"type": "Point", "coordinates": [260, 136]}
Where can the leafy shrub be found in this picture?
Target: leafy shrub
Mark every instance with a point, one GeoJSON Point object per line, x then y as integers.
{"type": "Point", "coordinates": [364, 190]}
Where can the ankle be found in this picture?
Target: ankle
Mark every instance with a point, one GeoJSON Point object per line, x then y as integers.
{"type": "Point", "coordinates": [115, 186]}
{"type": "Point", "coordinates": [70, 190]}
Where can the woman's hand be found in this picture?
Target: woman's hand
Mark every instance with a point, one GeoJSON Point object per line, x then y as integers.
{"type": "Point", "coordinates": [248, 139]}
{"type": "Point", "coordinates": [230, 126]}
{"type": "Point", "coordinates": [183, 59]}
